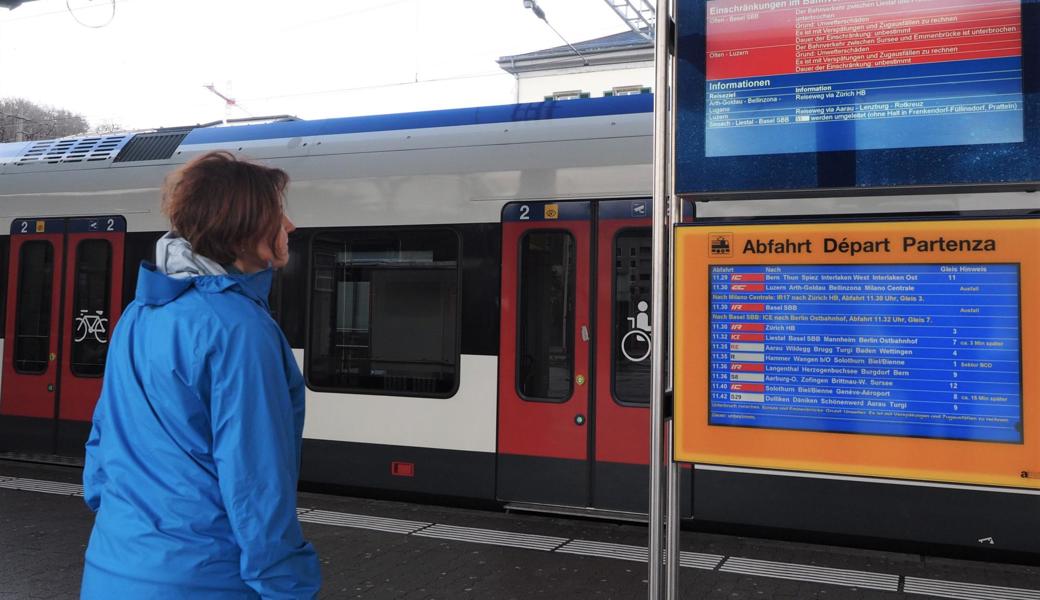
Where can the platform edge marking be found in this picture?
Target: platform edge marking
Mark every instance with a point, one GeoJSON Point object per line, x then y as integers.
{"type": "Point", "coordinates": [967, 591]}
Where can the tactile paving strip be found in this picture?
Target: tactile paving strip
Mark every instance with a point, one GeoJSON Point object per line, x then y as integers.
{"type": "Point", "coordinates": [605, 550]}
{"type": "Point", "coordinates": [798, 572]}
{"type": "Point", "coordinates": [338, 519]}
{"type": "Point", "coordinates": [693, 560]}
{"type": "Point", "coordinates": [492, 536]}
{"type": "Point", "coordinates": [966, 591]}
{"type": "Point", "coordinates": [46, 487]}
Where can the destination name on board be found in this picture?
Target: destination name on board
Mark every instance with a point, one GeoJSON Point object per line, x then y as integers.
{"type": "Point", "coordinates": [854, 247]}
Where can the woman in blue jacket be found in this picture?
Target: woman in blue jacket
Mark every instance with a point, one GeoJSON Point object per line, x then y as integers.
{"type": "Point", "coordinates": [194, 455]}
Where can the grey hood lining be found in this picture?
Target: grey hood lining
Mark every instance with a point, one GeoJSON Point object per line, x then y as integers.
{"type": "Point", "coordinates": [175, 257]}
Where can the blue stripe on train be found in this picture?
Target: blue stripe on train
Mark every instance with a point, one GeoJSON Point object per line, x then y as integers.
{"type": "Point", "coordinates": [508, 113]}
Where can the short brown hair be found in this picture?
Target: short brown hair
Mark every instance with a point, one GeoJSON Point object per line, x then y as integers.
{"type": "Point", "coordinates": [224, 206]}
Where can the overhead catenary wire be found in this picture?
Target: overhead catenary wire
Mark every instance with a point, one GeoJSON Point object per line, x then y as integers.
{"type": "Point", "coordinates": [303, 94]}
{"type": "Point", "coordinates": [111, 17]}
{"type": "Point", "coordinates": [538, 12]}
{"type": "Point", "coordinates": [379, 86]}
{"type": "Point", "coordinates": [314, 97]}
{"type": "Point", "coordinates": [52, 13]}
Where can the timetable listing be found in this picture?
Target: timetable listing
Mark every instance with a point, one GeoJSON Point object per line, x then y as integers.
{"type": "Point", "coordinates": [936, 353]}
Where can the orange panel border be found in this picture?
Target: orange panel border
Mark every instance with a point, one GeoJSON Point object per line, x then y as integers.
{"type": "Point", "coordinates": [923, 459]}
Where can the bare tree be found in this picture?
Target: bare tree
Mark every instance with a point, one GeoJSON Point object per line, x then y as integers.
{"type": "Point", "coordinates": [107, 128]}
{"type": "Point", "coordinates": [22, 120]}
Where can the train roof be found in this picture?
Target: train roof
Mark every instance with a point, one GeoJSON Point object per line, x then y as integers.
{"type": "Point", "coordinates": [535, 111]}
{"type": "Point", "coordinates": [161, 144]}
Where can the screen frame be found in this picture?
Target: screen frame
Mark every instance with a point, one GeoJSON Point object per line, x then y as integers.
{"type": "Point", "coordinates": [964, 462]}
{"type": "Point", "coordinates": [918, 170]}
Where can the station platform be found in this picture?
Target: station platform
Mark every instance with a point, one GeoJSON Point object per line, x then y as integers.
{"type": "Point", "coordinates": [395, 550]}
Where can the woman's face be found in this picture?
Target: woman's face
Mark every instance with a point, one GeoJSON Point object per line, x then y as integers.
{"type": "Point", "coordinates": [280, 253]}
{"type": "Point", "coordinates": [276, 257]}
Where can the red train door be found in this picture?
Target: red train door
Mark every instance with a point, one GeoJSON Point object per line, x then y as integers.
{"type": "Point", "coordinates": [623, 333]}
{"type": "Point", "coordinates": [64, 295]}
{"type": "Point", "coordinates": [30, 369]}
{"type": "Point", "coordinates": [574, 362]}
{"type": "Point", "coordinates": [543, 429]}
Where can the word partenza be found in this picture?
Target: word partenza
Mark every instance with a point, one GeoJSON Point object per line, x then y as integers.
{"type": "Point", "coordinates": [852, 247]}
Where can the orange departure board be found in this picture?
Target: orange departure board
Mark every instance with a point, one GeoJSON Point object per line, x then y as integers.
{"type": "Point", "coordinates": [901, 349]}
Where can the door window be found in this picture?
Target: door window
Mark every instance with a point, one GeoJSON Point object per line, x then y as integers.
{"type": "Point", "coordinates": [90, 308]}
{"type": "Point", "coordinates": [631, 356]}
{"type": "Point", "coordinates": [33, 312]}
{"type": "Point", "coordinates": [545, 352]}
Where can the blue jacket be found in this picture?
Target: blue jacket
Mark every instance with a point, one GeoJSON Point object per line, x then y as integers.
{"type": "Point", "coordinates": [194, 456]}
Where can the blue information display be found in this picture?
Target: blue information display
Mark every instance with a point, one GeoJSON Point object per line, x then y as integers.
{"type": "Point", "coordinates": [941, 104]}
{"type": "Point", "coordinates": [816, 95]}
{"type": "Point", "coordinates": [919, 350]}
{"type": "Point", "coordinates": [862, 74]}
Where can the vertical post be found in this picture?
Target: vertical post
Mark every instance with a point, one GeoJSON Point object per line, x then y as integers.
{"type": "Point", "coordinates": [658, 306]}
{"type": "Point", "coordinates": [674, 206]}
{"type": "Point", "coordinates": [671, 586]}
{"type": "Point", "coordinates": [671, 590]}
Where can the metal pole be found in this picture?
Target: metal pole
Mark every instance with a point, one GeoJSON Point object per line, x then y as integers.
{"type": "Point", "coordinates": [660, 204]}
{"type": "Point", "coordinates": [674, 206]}
{"type": "Point", "coordinates": [671, 589]}
{"type": "Point", "coordinates": [671, 586]}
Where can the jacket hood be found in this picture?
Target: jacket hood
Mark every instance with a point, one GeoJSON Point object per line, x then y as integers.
{"type": "Point", "coordinates": [175, 257]}
{"type": "Point", "coordinates": [178, 269]}
{"type": "Point", "coordinates": [156, 288]}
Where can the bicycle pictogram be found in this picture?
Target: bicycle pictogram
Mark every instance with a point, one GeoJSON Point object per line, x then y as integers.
{"type": "Point", "coordinates": [635, 344]}
{"type": "Point", "coordinates": [95, 325]}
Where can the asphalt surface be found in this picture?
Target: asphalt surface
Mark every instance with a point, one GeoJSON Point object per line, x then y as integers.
{"type": "Point", "coordinates": [395, 550]}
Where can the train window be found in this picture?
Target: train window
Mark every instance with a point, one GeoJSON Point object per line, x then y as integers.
{"type": "Point", "coordinates": [384, 312]}
{"type": "Point", "coordinates": [631, 348]}
{"type": "Point", "coordinates": [545, 353]}
{"type": "Point", "coordinates": [91, 302]}
{"type": "Point", "coordinates": [137, 247]}
{"type": "Point", "coordinates": [32, 324]}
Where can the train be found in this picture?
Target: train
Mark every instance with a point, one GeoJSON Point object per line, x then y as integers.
{"type": "Point", "coordinates": [468, 299]}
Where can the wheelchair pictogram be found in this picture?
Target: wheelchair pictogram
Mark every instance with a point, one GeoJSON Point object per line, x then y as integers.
{"type": "Point", "coordinates": [635, 344]}
{"type": "Point", "coordinates": [92, 325]}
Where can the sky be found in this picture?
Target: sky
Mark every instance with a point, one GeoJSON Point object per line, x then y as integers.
{"type": "Point", "coordinates": [146, 65]}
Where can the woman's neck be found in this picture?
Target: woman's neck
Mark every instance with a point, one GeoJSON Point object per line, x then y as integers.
{"type": "Point", "coordinates": [248, 266]}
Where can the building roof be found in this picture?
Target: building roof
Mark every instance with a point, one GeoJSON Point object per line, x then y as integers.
{"type": "Point", "coordinates": [627, 46]}
{"type": "Point", "coordinates": [618, 41]}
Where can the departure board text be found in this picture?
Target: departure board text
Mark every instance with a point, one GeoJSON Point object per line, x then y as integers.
{"type": "Point", "coordinates": [919, 350]}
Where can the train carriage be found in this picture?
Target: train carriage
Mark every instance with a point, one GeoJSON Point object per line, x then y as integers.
{"type": "Point", "coordinates": [468, 299]}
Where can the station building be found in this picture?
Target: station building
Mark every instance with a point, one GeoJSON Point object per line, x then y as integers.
{"type": "Point", "coordinates": [614, 65]}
